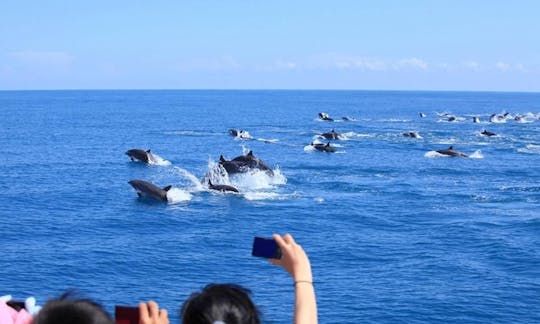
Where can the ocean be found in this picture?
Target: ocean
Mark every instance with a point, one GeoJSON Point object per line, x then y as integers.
{"type": "Point", "coordinates": [396, 232]}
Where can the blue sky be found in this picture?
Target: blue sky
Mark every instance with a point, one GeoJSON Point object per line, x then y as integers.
{"type": "Point", "coordinates": [232, 44]}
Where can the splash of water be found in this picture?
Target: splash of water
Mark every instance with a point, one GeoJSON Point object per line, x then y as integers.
{"type": "Point", "coordinates": [196, 184]}
{"type": "Point", "coordinates": [176, 195]}
{"type": "Point", "coordinates": [158, 160]}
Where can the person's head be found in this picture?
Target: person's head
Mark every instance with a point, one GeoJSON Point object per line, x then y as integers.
{"type": "Point", "coordinates": [67, 309]}
{"type": "Point", "coordinates": [227, 303]}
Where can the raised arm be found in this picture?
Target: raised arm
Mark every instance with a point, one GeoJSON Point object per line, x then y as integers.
{"type": "Point", "coordinates": [296, 262]}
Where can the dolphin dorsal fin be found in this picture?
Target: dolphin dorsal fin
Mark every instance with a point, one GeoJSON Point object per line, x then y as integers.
{"type": "Point", "coordinates": [451, 147]}
{"type": "Point", "coordinates": [221, 158]}
{"type": "Point", "coordinates": [328, 144]}
{"type": "Point", "coordinates": [148, 151]}
{"type": "Point", "coordinates": [167, 188]}
{"type": "Point", "coordinates": [332, 131]}
{"type": "Point", "coordinates": [250, 153]}
{"type": "Point", "coordinates": [210, 183]}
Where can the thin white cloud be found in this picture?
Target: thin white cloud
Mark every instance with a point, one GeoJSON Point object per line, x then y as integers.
{"type": "Point", "coordinates": [208, 64]}
{"type": "Point", "coordinates": [471, 65]}
{"type": "Point", "coordinates": [501, 66]}
{"type": "Point", "coordinates": [42, 57]}
{"type": "Point", "coordinates": [412, 62]}
{"type": "Point", "coordinates": [279, 65]}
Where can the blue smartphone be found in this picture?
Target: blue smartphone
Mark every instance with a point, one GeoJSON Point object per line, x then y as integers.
{"type": "Point", "coordinates": [265, 248]}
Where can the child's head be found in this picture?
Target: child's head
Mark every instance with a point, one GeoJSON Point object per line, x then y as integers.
{"type": "Point", "coordinates": [226, 303]}
{"type": "Point", "coordinates": [69, 310]}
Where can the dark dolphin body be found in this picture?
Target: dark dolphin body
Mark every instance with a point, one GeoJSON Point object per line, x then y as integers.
{"type": "Point", "coordinates": [451, 152]}
{"type": "Point", "coordinates": [331, 135]}
{"type": "Point", "coordinates": [324, 147]}
{"type": "Point", "coordinates": [141, 155]}
{"type": "Point", "coordinates": [222, 188]}
{"type": "Point", "coordinates": [411, 134]}
{"type": "Point", "coordinates": [245, 163]}
{"type": "Point", "coordinates": [145, 188]}
{"type": "Point", "coordinates": [487, 133]}
{"type": "Point", "coordinates": [325, 116]}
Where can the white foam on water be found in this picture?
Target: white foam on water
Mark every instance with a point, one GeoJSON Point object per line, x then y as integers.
{"type": "Point", "coordinates": [349, 135]}
{"type": "Point", "coordinates": [176, 195]}
{"type": "Point", "coordinates": [435, 154]}
{"type": "Point", "coordinates": [268, 140]}
{"type": "Point", "coordinates": [309, 148]}
{"type": "Point", "coordinates": [530, 149]}
{"type": "Point", "coordinates": [248, 181]}
{"type": "Point", "coordinates": [319, 199]}
{"type": "Point", "coordinates": [245, 150]}
{"type": "Point", "coordinates": [264, 195]}
{"type": "Point", "coordinates": [158, 160]}
{"type": "Point", "coordinates": [477, 155]}
{"type": "Point", "coordinates": [197, 186]}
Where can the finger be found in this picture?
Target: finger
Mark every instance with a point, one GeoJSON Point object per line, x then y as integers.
{"type": "Point", "coordinates": [279, 241]}
{"type": "Point", "coordinates": [275, 262]}
{"type": "Point", "coordinates": [153, 309]}
{"type": "Point", "coordinates": [164, 316]}
{"type": "Point", "coordinates": [288, 238]}
{"type": "Point", "coordinates": [143, 312]}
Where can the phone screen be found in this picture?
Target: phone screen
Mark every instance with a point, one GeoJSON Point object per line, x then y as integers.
{"type": "Point", "coordinates": [265, 248]}
{"type": "Point", "coordinates": [126, 314]}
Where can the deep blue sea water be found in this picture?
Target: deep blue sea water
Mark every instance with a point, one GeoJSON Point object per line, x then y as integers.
{"type": "Point", "coordinates": [395, 232]}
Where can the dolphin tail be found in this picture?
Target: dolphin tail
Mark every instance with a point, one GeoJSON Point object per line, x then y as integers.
{"type": "Point", "coordinates": [167, 188]}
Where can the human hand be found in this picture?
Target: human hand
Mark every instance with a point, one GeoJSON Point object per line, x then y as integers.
{"type": "Point", "coordinates": [293, 258]}
{"type": "Point", "coordinates": [149, 313]}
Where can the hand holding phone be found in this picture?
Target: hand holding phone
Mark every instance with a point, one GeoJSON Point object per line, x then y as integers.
{"type": "Point", "coordinates": [265, 248]}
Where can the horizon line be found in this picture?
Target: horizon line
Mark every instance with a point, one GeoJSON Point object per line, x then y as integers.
{"type": "Point", "coordinates": [273, 89]}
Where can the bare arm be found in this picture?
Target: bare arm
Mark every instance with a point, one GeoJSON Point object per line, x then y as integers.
{"type": "Point", "coordinates": [295, 261]}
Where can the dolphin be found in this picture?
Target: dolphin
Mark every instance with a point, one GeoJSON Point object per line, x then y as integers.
{"type": "Point", "coordinates": [240, 133]}
{"type": "Point", "coordinates": [245, 163]}
{"type": "Point", "coordinates": [412, 134]}
{"type": "Point", "coordinates": [325, 116]}
{"type": "Point", "coordinates": [487, 133]}
{"type": "Point", "coordinates": [222, 188]}
{"type": "Point", "coordinates": [475, 119]}
{"type": "Point", "coordinates": [145, 188]}
{"type": "Point", "coordinates": [324, 147]}
{"type": "Point", "coordinates": [141, 155]}
{"type": "Point", "coordinates": [331, 135]}
{"type": "Point", "coordinates": [451, 152]}
{"type": "Point", "coordinates": [422, 115]}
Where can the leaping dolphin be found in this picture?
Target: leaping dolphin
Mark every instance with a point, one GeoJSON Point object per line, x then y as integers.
{"type": "Point", "coordinates": [331, 135]}
{"type": "Point", "coordinates": [487, 133]}
{"type": "Point", "coordinates": [222, 188]}
{"type": "Point", "coordinates": [324, 147]}
{"type": "Point", "coordinates": [412, 134]}
{"type": "Point", "coordinates": [145, 188]}
{"type": "Point", "coordinates": [325, 116]}
{"type": "Point", "coordinates": [245, 163]}
{"type": "Point", "coordinates": [140, 155]}
{"type": "Point", "coordinates": [451, 152]}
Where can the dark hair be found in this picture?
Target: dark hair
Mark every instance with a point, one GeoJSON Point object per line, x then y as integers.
{"type": "Point", "coordinates": [228, 303]}
{"type": "Point", "coordinates": [67, 309]}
